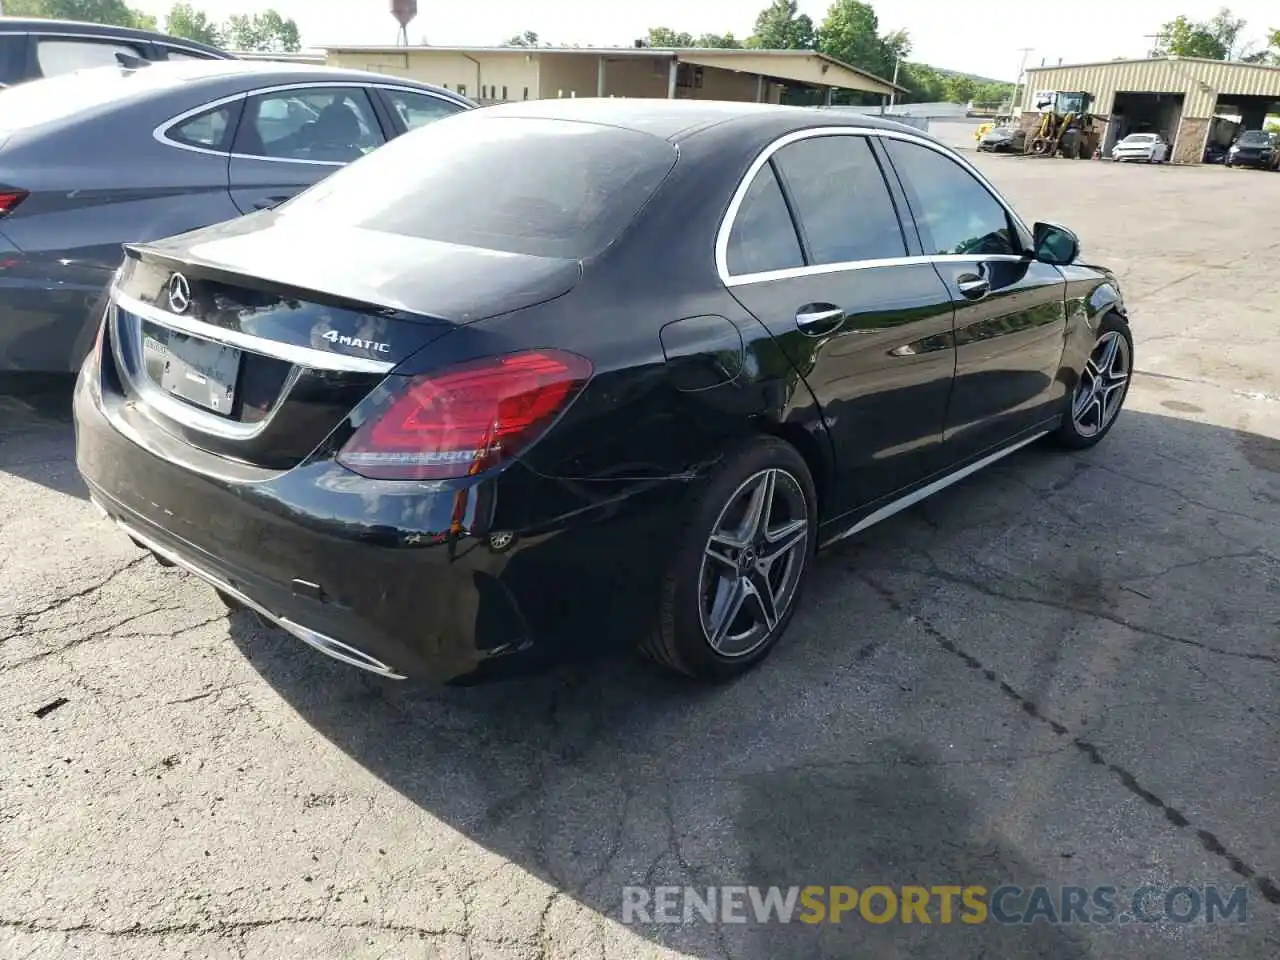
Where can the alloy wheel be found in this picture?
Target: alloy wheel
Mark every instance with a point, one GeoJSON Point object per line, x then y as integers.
{"type": "Point", "coordinates": [1101, 389]}
{"type": "Point", "coordinates": [753, 562]}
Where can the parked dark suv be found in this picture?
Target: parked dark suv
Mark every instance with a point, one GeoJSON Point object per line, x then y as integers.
{"type": "Point", "coordinates": [32, 48]}
{"type": "Point", "coordinates": [1254, 148]}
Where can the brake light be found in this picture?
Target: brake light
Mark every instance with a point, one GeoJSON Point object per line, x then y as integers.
{"type": "Point", "coordinates": [9, 200]}
{"type": "Point", "coordinates": [468, 418]}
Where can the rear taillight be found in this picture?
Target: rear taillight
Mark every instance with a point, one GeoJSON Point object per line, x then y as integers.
{"type": "Point", "coordinates": [467, 418]}
{"type": "Point", "coordinates": [9, 200]}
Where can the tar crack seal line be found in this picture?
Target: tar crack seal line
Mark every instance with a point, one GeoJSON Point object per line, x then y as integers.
{"type": "Point", "coordinates": [1266, 886]}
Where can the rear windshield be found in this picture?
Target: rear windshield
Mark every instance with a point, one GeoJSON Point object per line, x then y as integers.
{"type": "Point", "coordinates": [1141, 137]}
{"type": "Point", "coordinates": [1255, 136]}
{"type": "Point", "coordinates": [550, 188]}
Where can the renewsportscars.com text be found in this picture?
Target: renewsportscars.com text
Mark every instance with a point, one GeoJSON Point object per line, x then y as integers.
{"type": "Point", "coordinates": [940, 904]}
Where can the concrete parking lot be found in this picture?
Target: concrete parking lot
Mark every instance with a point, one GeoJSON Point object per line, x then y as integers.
{"type": "Point", "coordinates": [1065, 671]}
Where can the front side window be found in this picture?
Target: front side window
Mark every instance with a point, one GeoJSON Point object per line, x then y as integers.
{"type": "Point", "coordinates": [58, 55]}
{"type": "Point", "coordinates": [334, 125]}
{"type": "Point", "coordinates": [184, 56]}
{"type": "Point", "coordinates": [419, 109]}
{"type": "Point", "coordinates": [841, 200]}
{"type": "Point", "coordinates": [955, 213]}
{"type": "Point", "coordinates": [763, 236]}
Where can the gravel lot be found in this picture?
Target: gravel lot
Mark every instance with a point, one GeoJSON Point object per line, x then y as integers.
{"type": "Point", "coordinates": [1063, 671]}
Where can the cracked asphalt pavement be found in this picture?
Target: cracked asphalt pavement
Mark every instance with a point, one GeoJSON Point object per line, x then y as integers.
{"type": "Point", "coordinates": [1062, 671]}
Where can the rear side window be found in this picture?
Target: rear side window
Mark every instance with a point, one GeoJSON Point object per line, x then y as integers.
{"type": "Point", "coordinates": [763, 237]}
{"type": "Point", "coordinates": [58, 56]}
{"type": "Point", "coordinates": [550, 188]}
{"type": "Point", "coordinates": [955, 213]}
{"type": "Point", "coordinates": [208, 130]}
{"type": "Point", "coordinates": [841, 200]}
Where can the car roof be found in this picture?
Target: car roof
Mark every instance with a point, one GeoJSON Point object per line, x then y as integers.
{"type": "Point", "coordinates": [678, 119]}
{"type": "Point", "coordinates": [77, 28]}
{"type": "Point", "coordinates": [158, 79]}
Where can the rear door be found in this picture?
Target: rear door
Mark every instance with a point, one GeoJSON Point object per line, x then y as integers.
{"type": "Point", "coordinates": [818, 253]}
{"type": "Point", "coordinates": [1010, 308]}
{"type": "Point", "coordinates": [290, 139]}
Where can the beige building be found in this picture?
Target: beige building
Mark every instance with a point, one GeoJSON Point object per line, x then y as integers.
{"type": "Point", "coordinates": [495, 74]}
{"type": "Point", "coordinates": [1177, 97]}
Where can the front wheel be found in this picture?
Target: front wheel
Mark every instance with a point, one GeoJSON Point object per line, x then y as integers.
{"type": "Point", "coordinates": [736, 575]}
{"type": "Point", "coordinates": [1100, 392]}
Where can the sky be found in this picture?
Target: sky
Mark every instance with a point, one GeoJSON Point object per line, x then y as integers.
{"type": "Point", "coordinates": [976, 36]}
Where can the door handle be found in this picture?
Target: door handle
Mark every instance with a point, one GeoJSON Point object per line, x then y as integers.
{"type": "Point", "coordinates": [268, 203]}
{"type": "Point", "coordinates": [816, 319]}
{"type": "Point", "coordinates": [972, 286]}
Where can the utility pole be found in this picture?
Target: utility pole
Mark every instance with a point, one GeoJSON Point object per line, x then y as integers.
{"type": "Point", "coordinates": [893, 94]}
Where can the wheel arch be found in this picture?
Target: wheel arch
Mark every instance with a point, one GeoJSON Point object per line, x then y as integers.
{"type": "Point", "coordinates": [811, 442]}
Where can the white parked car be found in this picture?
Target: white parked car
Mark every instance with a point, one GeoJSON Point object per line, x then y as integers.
{"type": "Point", "coordinates": [1147, 147]}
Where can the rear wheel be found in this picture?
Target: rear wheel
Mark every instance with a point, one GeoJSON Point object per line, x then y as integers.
{"type": "Point", "coordinates": [733, 583]}
{"type": "Point", "coordinates": [1100, 392]}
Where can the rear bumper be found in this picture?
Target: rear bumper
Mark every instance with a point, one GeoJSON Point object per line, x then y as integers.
{"type": "Point", "coordinates": [404, 580]}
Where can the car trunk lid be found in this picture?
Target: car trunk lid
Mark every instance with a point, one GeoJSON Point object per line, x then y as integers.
{"type": "Point", "coordinates": [256, 344]}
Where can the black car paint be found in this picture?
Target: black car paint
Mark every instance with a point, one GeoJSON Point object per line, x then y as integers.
{"type": "Point", "coordinates": [565, 546]}
{"type": "Point", "coordinates": [117, 188]}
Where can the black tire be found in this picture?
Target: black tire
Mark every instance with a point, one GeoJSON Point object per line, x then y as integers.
{"type": "Point", "coordinates": [678, 639]}
{"type": "Point", "coordinates": [228, 601]}
{"type": "Point", "coordinates": [1073, 435]}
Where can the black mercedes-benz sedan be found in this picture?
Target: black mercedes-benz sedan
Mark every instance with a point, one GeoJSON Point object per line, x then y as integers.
{"type": "Point", "coordinates": [572, 374]}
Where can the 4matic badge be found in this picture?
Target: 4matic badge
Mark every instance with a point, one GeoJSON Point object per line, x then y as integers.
{"type": "Point", "coordinates": [342, 340]}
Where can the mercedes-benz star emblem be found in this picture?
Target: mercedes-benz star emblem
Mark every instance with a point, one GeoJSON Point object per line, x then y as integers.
{"type": "Point", "coordinates": [179, 293]}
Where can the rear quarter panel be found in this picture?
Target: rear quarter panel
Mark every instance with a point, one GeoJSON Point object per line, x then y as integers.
{"type": "Point", "coordinates": [93, 188]}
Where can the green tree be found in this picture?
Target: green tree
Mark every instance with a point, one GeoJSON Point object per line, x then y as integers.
{"type": "Point", "coordinates": [114, 12]}
{"type": "Point", "coordinates": [265, 32]}
{"type": "Point", "coordinates": [1214, 39]}
{"type": "Point", "coordinates": [780, 27]}
{"type": "Point", "coordinates": [851, 32]}
{"type": "Point", "coordinates": [526, 39]}
{"type": "Point", "coordinates": [666, 37]}
{"type": "Point", "coordinates": [960, 89]}
{"type": "Point", "coordinates": [720, 41]}
{"type": "Point", "coordinates": [184, 20]}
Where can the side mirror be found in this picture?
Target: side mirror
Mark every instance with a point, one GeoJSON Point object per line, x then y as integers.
{"type": "Point", "coordinates": [1056, 245]}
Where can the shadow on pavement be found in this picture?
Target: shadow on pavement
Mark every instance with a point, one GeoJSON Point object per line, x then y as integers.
{"type": "Point", "coordinates": [37, 436]}
{"type": "Point", "coordinates": [594, 776]}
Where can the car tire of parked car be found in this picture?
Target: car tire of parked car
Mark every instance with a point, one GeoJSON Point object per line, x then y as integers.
{"type": "Point", "coordinates": [723, 553]}
{"type": "Point", "coordinates": [1094, 404]}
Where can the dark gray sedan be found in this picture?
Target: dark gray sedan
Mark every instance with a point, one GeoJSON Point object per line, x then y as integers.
{"type": "Point", "coordinates": [98, 158]}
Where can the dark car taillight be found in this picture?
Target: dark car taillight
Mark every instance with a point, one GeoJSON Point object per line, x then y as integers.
{"type": "Point", "coordinates": [9, 200]}
{"type": "Point", "coordinates": [465, 419]}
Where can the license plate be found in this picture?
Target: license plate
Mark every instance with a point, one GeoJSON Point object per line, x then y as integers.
{"type": "Point", "coordinates": [198, 371]}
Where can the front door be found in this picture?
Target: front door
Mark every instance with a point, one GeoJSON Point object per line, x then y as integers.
{"type": "Point", "coordinates": [291, 139]}
{"type": "Point", "coordinates": [1010, 308]}
{"type": "Point", "coordinates": [817, 252]}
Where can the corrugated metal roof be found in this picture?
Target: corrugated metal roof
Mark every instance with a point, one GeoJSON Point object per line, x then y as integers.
{"type": "Point", "coordinates": [1202, 82]}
